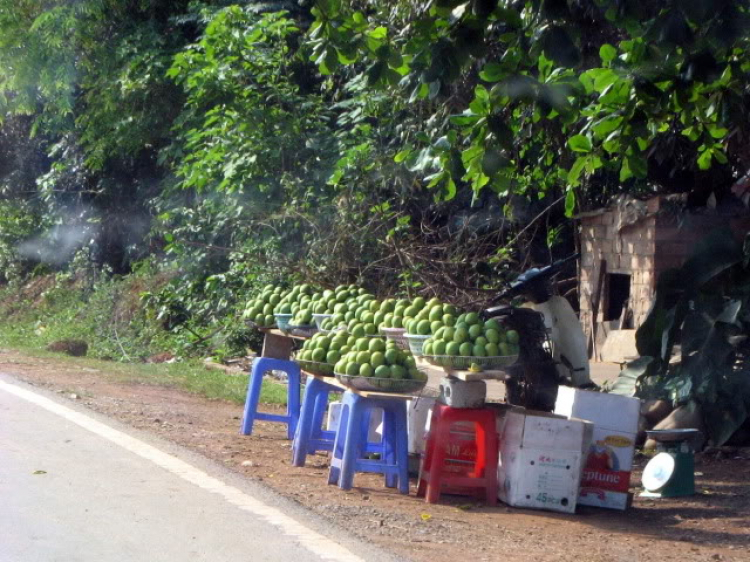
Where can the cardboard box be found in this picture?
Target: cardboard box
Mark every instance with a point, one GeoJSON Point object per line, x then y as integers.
{"type": "Point", "coordinates": [541, 460]}
{"type": "Point", "coordinates": [606, 475]}
{"type": "Point", "coordinates": [419, 411]}
{"type": "Point", "coordinates": [608, 411]}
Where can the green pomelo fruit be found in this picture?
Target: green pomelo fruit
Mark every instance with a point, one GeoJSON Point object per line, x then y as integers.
{"type": "Point", "coordinates": [438, 348]}
{"type": "Point", "coordinates": [460, 335]}
{"type": "Point", "coordinates": [352, 369]}
{"type": "Point", "coordinates": [512, 337]}
{"type": "Point", "coordinates": [452, 348]}
{"type": "Point", "coordinates": [366, 370]}
{"type": "Point", "coordinates": [376, 344]}
{"type": "Point", "coordinates": [383, 372]}
{"type": "Point", "coordinates": [392, 356]}
{"type": "Point", "coordinates": [363, 344]}
{"type": "Point", "coordinates": [466, 349]}
{"type": "Point", "coordinates": [492, 335]}
{"type": "Point", "coordinates": [398, 372]}
{"type": "Point", "coordinates": [475, 330]}
{"type": "Point", "coordinates": [492, 324]}
{"type": "Point", "coordinates": [377, 359]}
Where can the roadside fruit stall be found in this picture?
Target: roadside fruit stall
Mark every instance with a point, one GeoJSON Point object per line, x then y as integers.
{"type": "Point", "coordinates": [377, 357]}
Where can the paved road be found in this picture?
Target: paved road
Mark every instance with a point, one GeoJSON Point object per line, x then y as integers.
{"type": "Point", "coordinates": [73, 488]}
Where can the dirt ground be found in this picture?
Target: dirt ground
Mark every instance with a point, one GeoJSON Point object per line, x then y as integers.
{"type": "Point", "coordinates": [712, 525]}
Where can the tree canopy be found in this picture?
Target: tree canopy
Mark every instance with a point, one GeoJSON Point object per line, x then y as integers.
{"type": "Point", "coordinates": [435, 146]}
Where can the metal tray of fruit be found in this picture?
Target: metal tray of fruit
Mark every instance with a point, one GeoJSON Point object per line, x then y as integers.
{"type": "Point", "coordinates": [464, 363]}
{"type": "Point", "coordinates": [254, 325]}
{"type": "Point", "coordinates": [316, 368]}
{"type": "Point", "coordinates": [376, 384]}
{"type": "Point", "coordinates": [396, 335]}
{"type": "Point", "coordinates": [302, 331]}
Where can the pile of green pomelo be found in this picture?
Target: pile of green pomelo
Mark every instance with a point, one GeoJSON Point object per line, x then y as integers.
{"type": "Point", "coordinates": [351, 320]}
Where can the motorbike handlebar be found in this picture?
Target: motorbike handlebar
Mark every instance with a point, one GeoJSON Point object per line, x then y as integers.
{"type": "Point", "coordinates": [533, 276]}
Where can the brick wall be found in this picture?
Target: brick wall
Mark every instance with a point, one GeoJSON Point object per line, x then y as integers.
{"type": "Point", "coordinates": [632, 251]}
{"type": "Point", "coordinates": [657, 242]}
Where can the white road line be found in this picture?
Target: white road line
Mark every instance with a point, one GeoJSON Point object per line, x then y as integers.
{"type": "Point", "coordinates": [315, 542]}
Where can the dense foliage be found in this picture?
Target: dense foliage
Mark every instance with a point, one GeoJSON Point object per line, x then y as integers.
{"type": "Point", "coordinates": [427, 147]}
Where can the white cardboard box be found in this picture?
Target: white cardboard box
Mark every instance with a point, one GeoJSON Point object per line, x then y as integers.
{"type": "Point", "coordinates": [606, 475]}
{"type": "Point", "coordinates": [419, 411]}
{"type": "Point", "coordinates": [541, 460]}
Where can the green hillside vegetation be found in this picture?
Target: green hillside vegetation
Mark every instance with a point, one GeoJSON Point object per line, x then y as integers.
{"type": "Point", "coordinates": [162, 161]}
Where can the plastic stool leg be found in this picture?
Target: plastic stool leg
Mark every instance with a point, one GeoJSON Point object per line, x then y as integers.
{"type": "Point", "coordinates": [402, 448]}
{"type": "Point", "coordinates": [352, 444]}
{"type": "Point", "coordinates": [253, 395]}
{"type": "Point", "coordinates": [321, 404]}
{"type": "Point", "coordinates": [389, 446]}
{"type": "Point", "coordinates": [442, 431]}
{"type": "Point", "coordinates": [304, 431]}
{"type": "Point", "coordinates": [293, 400]}
{"type": "Point", "coordinates": [426, 467]}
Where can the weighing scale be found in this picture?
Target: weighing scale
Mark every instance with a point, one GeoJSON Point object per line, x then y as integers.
{"type": "Point", "coordinates": [467, 389]}
{"type": "Point", "coordinates": [671, 473]}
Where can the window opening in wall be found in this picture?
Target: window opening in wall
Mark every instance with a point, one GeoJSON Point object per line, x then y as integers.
{"type": "Point", "coordinates": [618, 295]}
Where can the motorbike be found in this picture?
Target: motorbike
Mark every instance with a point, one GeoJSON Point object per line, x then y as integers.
{"type": "Point", "coordinates": [552, 350]}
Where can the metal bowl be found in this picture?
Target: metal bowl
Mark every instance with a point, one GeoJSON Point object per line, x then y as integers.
{"type": "Point", "coordinates": [316, 368]}
{"type": "Point", "coordinates": [463, 363]}
{"type": "Point", "coordinates": [376, 384]}
{"type": "Point", "coordinates": [416, 342]}
{"type": "Point", "coordinates": [396, 335]}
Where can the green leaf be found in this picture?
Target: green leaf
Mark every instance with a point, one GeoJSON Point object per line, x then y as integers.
{"type": "Point", "coordinates": [607, 53]}
{"type": "Point", "coordinates": [570, 203]}
{"type": "Point", "coordinates": [575, 171]}
{"type": "Point", "coordinates": [580, 143]}
{"type": "Point", "coordinates": [625, 172]}
{"type": "Point", "coordinates": [492, 72]}
{"type": "Point", "coordinates": [403, 155]}
{"type": "Point", "coordinates": [704, 159]}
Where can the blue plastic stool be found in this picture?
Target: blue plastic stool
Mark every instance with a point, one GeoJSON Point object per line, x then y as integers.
{"type": "Point", "coordinates": [351, 443]}
{"type": "Point", "coordinates": [310, 436]}
{"type": "Point", "coordinates": [260, 367]}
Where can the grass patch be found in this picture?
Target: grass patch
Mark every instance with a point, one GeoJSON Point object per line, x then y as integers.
{"type": "Point", "coordinates": [190, 376]}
